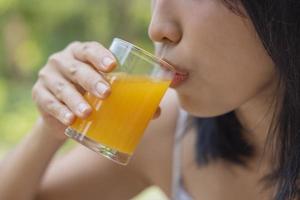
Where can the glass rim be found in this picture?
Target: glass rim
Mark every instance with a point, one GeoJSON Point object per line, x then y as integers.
{"type": "Point", "coordinates": [160, 61]}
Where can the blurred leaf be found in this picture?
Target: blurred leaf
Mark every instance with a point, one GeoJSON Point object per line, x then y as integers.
{"type": "Point", "coordinates": [3, 94]}
{"type": "Point", "coordinates": [19, 114]}
{"type": "Point", "coordinates": [6, 5]}
{"type": "Point", "coordinates": [28, 56]}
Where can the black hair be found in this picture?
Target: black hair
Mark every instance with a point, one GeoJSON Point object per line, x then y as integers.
{"type": "Point", "coordinates": [277, 23]}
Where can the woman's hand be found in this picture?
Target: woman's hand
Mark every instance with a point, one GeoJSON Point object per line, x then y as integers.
{"type": "Point", "coordinates": [58, 92]}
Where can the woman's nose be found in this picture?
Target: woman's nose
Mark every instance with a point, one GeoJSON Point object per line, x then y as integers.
{"type": "Point", "coordinates": [163, 26]}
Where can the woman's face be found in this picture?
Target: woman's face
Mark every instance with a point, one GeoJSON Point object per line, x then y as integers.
{"type": "Point", "coordinates": [226, 61]}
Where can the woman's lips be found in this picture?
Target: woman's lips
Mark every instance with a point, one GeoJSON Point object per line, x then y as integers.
{"type": "Point", "coordinates": [179, 75]}
{"type": "Point", "coordinates": [178, 79]}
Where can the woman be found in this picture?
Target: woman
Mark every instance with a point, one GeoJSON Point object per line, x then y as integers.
{"type": "Point", "coordinates": [234, 120]}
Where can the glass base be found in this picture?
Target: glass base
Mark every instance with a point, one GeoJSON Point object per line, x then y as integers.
{"type": "Point", "coordinates": [112, 154]}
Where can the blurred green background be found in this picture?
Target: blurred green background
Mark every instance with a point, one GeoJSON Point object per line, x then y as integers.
{"type": "Point", "coordinates": [31, 30]}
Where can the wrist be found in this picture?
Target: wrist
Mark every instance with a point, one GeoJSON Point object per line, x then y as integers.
{"type": "Point", "coordinates": [52, 133]}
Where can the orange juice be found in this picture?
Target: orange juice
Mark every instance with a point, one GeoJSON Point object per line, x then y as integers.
{"type": "Point", "coordinates": [119, 121]}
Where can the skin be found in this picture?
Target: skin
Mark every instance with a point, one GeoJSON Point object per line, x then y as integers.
{"type": "Point", "coordinates": [229, 70]}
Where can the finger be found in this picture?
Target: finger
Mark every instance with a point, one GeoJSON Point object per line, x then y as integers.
{"type": "Point", "coordinates": [94, 53]}
{"type": "Point", "coordinates": [50, 105]}
{"type": "Point", "coordinates": [84, 75]}
{"type": "Point", "coordinates": [157, 113]}
{"type": "Point", "coordinates": [67, 93]}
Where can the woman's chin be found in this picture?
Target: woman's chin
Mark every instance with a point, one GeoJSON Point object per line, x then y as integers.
{"type": "Point", "coordinates": [201, 109]}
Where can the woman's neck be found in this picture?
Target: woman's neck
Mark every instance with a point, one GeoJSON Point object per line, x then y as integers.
{"type": "Point", "coordinates": [256, 117]}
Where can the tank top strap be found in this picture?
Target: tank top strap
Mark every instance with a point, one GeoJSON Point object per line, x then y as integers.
{"type": "Point", "coordinates": [181, 127]}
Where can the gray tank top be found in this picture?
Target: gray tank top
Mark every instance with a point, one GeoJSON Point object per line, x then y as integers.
{"type": "Point", "coordinates": [178, 191]}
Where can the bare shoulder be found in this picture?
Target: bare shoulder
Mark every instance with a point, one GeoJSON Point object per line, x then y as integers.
{"type": "Point", "coordinates": [153, 157]}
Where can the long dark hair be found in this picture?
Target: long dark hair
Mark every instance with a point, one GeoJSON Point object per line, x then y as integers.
{"type": "Point", "coordinates": [277, 23]}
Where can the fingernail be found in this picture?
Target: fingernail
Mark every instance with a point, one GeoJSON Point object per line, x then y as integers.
{"type": "Point", "coordinates": [102, 88]}
{"type": "Point", "coordinates": [83, 107]}
{"type": "Point", "coordinates": [107, 61]}
{"type": "Point", "coordinates": [68, 117]}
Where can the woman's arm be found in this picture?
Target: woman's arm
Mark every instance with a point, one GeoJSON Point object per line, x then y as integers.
{"type": "Point", "coordinates": [81, 174]}
{"type": "Point", "coordinates": [22, 169]}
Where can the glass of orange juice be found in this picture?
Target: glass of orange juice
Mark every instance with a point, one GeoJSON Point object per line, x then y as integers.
{"type": "Point", "coordinates": [117, 123]}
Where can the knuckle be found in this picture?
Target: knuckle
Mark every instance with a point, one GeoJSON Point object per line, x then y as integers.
{"type": "Point", "coordinates": [87, 83]}
{"type": "Point", "coordinates": [83, 52]}
{"type": "Point", "coordinates": [74, 44]}
{"type": "Point", "coordinates": [55, 59]}
{"type": "Point", "coordinates": [59, 89]}
{"type": "Point", "coordinates": [50, 105]}
{"type": "Point", "coordinates": [93, 44]}
{"type": "Point", "coordinates": [42, 74]}
{"type": "Point", "coordinates": [88, 48]}
{"type": "Point", "coordinates": [73, 69]}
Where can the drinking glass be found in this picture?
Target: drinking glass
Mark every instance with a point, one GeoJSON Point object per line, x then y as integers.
{"type": "Point", "coordinates": [117, 123]}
